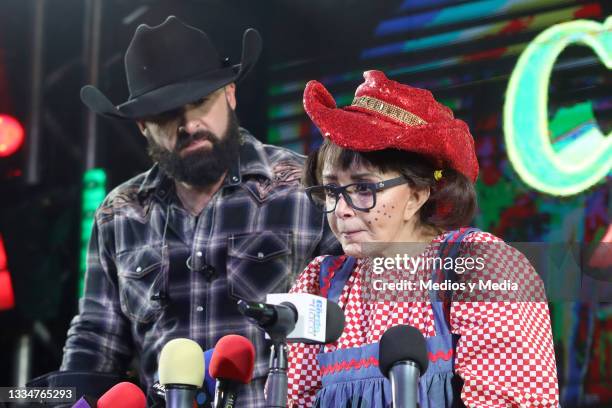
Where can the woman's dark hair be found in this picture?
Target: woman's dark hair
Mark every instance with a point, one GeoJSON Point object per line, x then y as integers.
{"type": "Point", "coordinates": [452, 199]}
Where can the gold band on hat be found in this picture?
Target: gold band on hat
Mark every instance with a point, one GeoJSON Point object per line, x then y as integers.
{"type": "Point", "coordinates": [392, 111]}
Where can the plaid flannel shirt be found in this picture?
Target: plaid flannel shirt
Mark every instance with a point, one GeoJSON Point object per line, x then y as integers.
{"type": "Point", "coordinates": [255, 235]}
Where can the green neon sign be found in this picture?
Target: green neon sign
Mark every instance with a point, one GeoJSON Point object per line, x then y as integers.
{"type": "Point", "coordinates": [94, 191]}
{"type": "Point", "coordinates": [587, 159]}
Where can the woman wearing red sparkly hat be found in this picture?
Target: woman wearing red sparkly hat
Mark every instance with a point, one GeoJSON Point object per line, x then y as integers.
{"type": "Point", "coordinates": [397, 167]}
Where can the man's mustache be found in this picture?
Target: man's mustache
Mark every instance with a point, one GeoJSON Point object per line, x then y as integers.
{"type": "Point", "coordinates": [185, 139]}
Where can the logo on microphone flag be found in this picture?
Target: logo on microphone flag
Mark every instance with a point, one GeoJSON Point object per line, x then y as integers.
{"type": "Point", "coordinates": [312, 315]}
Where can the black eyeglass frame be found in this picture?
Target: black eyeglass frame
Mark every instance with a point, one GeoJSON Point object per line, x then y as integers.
{"type": "Point", "coordinates": [341, 190]}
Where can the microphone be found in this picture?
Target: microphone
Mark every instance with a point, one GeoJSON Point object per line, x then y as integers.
{"type": "Point", "coordinates": [319, 320]}
{"type": "Point", "coordinates": [402, 356]}
{"type": "Point", "coordinates": [231, 364]}
{"type": "Point", "coordinates": [181, 372]}
{"type": "Point", "coordinates": [276, 320]}
{"type": "Point", "coordinates": [209, 381]}
{"type": "Point", "coordinates": [85, 402]}
{"type": "Point", "coordinates": [122, 395]}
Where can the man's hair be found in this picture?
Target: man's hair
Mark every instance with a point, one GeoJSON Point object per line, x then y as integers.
{"type": "Point", "coordinates": [452, 201]}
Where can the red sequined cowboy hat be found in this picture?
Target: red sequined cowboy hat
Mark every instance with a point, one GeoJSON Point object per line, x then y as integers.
{"type": "Point", "coordinates": [388, 115]}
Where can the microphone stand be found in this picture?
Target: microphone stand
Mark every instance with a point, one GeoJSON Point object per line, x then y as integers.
{"type": "Point", "coordinates": [276, 385]}
{"type": "Point", "coordinates": [278, 330]}
{"type": "Point", "coordinates": [403, 373]}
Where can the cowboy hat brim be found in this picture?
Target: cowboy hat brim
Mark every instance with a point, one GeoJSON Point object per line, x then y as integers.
{"type": "Point", "coordinates": [448, 144]}
{"type": "Point", "coordinates": [172, 96]}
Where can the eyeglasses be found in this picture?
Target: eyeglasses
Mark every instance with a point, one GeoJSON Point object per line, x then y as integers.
{"type": "Point", "coordinates": [360, 196]}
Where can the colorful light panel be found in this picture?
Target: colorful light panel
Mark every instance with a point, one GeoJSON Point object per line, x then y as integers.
{"type": "Point", "coordinates": [584, 161]}
{"type": "Point", "coordinates": [94, 191]}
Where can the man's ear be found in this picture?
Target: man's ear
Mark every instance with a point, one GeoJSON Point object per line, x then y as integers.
{"type": "Point", "coordinates": [417, 199]}
{"type": "Point", "coordinates": [230, 95]}
{"type": "Point", "coordinates": [142, 127]}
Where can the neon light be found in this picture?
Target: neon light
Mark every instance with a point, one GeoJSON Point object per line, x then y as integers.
{"type": "Point", "coordinates": [579, 164]}
{"type": "Point", "coordinates": [7, 295]}
{"type": "Point", "coordinates": [94, 191]}
{"type": "Point", "coordinates": [11, 135]}
{"type": "Point", "coordinates": [3, 262]}
{"type": "Point", "coordinates": [502, 28]}
{"type": "Point", "coordinates": [457, 14]}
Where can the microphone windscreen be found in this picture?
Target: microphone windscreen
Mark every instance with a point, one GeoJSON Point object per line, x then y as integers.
{"type": "Point", "coordinates": [123, 395]}
{"type": "Point", "coordinates": [334, 323]}
{"type": "Point", "coordinates": [209, 382]}
{"type": "Point", "coordinates": [85, 402]}
{"type": "Point", "coordinates": [402, 343]}
{"type": "Point", "coordinates": [233, 359]}
{"type": "Point", "coordinates": [181, 361]}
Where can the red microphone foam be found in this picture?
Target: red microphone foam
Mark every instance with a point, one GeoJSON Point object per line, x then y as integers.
{"type": "Point", "coordinates": [123, 395]}
{"type": "Point", "coordinates": [233, 359]}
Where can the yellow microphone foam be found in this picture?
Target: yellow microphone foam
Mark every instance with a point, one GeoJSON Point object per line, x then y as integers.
{"type": "Point", "coordinates": [181, 361]}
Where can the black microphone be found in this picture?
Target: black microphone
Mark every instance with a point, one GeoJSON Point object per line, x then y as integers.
{"type": "Point", "coordinates": [402, 356]}
{"type": "Point", "coordinates": [319, 320]}
{"type": "Point", "coordinates": [274, 319]}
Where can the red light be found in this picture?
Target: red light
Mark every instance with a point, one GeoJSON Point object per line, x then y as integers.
{"type": "Point", "coordinates": [3, 264]}
{"type": "Point", "coordinates": [11, 135]}
{"type": "Point", "coordinates": [7, 297]}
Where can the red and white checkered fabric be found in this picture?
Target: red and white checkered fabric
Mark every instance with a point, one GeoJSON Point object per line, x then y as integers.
{"type": "Point", "coordinates": [505, 354]}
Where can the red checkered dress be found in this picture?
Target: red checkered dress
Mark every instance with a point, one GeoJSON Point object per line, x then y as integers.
{"type": "Point", "coordinates": [504, 355]}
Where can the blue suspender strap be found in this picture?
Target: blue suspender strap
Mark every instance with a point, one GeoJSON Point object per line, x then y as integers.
{"type": "Point", "coordinates": [440, 302]}
{"type": "Point", "coordinates": [333, 274]}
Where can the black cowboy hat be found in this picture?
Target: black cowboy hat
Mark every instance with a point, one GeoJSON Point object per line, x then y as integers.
{"type": "Point", "coordinates": [170, 65]}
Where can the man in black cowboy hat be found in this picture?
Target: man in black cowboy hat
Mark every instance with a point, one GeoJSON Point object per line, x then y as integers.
{"type": "Point", "coordinates": [220, 216]}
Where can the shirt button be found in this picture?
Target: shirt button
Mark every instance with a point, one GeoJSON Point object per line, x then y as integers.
{"type": "Point", "coordinates": [260, 255]}
{"type": "Point", "coordinates": [199, 309]}
{"type": "Point", "coordinates": [199, 254]}
{"type": "Point", "coordinates": [139, 269]}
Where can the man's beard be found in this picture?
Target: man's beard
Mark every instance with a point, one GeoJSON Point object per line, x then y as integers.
{"type": "Point", "coordinates": [202, 167]}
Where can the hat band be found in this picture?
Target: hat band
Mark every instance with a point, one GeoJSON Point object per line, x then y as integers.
{"type": "Point", "coordinates": [392, 111]}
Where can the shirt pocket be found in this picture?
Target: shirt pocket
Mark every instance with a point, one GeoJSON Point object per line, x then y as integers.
{"type": "Point", "coordinates": [259, 263]}
{"type": "Point", "coordinates": [140, 274]}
